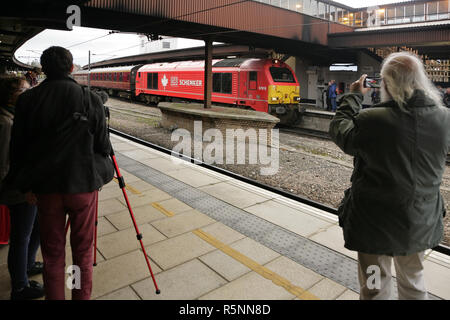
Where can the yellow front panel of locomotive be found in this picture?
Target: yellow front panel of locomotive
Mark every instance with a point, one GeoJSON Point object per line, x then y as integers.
{"type": "Point", "coordinates": [283, 94]}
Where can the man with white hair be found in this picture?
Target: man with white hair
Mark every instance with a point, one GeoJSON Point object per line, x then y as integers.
{"type": "Point", "coordinates": [394, 209]}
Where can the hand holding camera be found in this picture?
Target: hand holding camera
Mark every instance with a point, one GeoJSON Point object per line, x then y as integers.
{"type": "Point", "coordinates": [358, 85]}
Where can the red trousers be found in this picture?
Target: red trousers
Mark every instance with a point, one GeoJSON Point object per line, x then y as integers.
{"type": "Point", "coordinates": [81, 208]}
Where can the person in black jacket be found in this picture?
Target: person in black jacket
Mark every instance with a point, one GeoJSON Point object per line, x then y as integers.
{"type": "Point", "coordinates": [60, 158]}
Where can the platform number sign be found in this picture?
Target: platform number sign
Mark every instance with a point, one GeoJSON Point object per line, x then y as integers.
{"type": "Point", "coordinates": [75, 16]}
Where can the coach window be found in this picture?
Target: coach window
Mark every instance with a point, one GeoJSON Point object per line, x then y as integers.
{"type": "Point", "coordinates": [120, 77]}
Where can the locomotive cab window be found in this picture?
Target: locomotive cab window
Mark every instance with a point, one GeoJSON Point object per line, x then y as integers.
{"type": "Point", "coordinates": [281, 74]}
{"type": "Point", "coordinates": [222, 83]}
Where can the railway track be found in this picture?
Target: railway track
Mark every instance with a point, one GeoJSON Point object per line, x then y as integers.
{"type": "Point", "coordinates": [322, 135]}
{"type": "Point", "coordinates": [306, 132]}
{"type": "Point", "coordinates": [296, 130]}
{"type": "Point", "coordinates": [133, 113]}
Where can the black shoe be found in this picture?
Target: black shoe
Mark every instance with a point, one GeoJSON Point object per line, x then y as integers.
{"type": "Point", "coordinates": [34, 290]}
{"type": "Point", "coordinates": [36, 269]}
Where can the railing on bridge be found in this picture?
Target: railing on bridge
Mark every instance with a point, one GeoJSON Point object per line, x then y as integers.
{"type": "Point", "coordinates": [401, 13]}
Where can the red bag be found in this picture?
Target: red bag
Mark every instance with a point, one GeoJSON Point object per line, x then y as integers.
{"type": "Point", "coordinates": [4, 224]}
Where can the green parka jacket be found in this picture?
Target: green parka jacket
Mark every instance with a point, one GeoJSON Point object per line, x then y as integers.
{"type": "Point", "coordinates": [394, 206]}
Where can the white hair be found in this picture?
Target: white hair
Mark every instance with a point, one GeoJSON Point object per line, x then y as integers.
{"type": "Point", "coordinates": [402, 73]}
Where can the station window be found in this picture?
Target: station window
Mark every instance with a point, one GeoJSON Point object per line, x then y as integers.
{"type": "Point", "coordinates": [443, 9]}
{"type": "Point", "coordinates": [432, 10]}
{"type": "Point", "coordinates": [152, 80]}
{"type": "Point", "coordinates": [409, 13]}
{"type": "Point", "coordinates": [321, 7]}
{"type": "Point", "coordinates": [222, 82]}
{"type": "Point", "coordinates": [419, 12]}
{"type": "Point", "coordinates": [391, 16]}
{"type": "Point", "coordinates": [333, 13]}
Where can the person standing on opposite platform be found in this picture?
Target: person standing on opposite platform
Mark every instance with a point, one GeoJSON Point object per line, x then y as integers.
{"type": "Point", "coordinates": [332, 95]}
{"type": "Point", "coordinates": [394, 209]}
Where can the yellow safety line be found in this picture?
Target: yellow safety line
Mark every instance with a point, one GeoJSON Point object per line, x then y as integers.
{"type": "Point", "coordinates": [128, 187]}
{"type": "Point", "coordinates": [253, 265]}
{"type": "Point", "coordinates": [162, 209]}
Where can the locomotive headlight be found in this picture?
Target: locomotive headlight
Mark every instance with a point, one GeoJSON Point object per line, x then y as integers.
{"type": "Point", "coordinates": [274, 98]}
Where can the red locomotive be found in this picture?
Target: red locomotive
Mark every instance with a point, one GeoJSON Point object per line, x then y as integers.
{"type": "Point", "coordinates": [261, 84]}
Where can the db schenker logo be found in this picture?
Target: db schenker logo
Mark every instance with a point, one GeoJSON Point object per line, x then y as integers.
{"type": "Point", "coordinates": [164, 81]}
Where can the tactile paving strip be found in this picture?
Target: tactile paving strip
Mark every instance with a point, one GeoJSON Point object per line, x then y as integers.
{"type": "Point", "coordinates": [326, 262]}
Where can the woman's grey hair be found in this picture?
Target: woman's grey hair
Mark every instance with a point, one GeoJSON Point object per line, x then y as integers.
{"type": "Point", "coordinates": [403, 73]}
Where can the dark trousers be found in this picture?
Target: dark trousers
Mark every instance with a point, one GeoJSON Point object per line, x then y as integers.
{"type": "Point", "coordinates": [333, 104]}
{"type": "Point", "coordinates": [23, 243]}
{"type": "Point", "coordinates": [81, 208]}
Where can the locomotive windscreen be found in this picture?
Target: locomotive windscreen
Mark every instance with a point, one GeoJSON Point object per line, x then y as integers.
{"type": "Point", "coordinates": [281, 74]}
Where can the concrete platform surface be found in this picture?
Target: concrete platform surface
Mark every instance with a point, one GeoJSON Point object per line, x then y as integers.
{"type": "Point", "coordinates": [212, 237]}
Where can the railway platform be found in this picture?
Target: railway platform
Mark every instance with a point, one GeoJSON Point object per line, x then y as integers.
{"type": "Point", "coordinates": [212, 237]}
